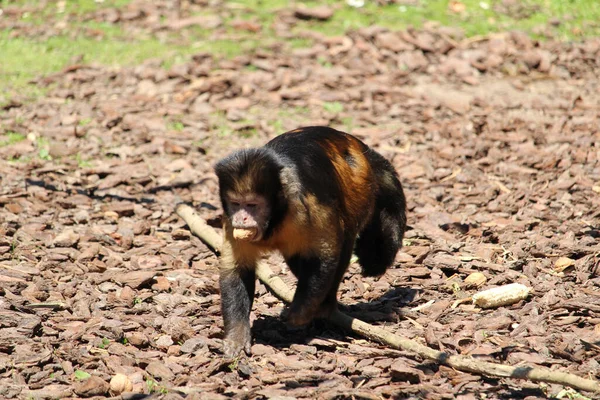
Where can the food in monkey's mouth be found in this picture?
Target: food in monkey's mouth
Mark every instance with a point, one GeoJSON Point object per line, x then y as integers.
{"type": "Point", "coordinates": [244, 233]}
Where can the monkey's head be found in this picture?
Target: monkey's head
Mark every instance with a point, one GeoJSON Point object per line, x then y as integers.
{"type": "Point", "coordinates": [251, 192]}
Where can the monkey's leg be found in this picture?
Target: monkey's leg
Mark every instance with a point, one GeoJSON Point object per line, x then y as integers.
{"type": "Point", "coordinates": [316, 276]}
{"type": "Point", "coordinates": [330, 302]}
{"type": "Point", "coordinates": [237, 295]}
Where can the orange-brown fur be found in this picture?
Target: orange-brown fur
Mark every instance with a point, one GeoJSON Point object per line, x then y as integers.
{"type": "Point", "coordinates": [356, 180]}
{"type": "Point", "coordinates": [296, 235]}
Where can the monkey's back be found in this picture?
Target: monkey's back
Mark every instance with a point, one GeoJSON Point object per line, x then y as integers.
{"type": "Point", "coordinates": [334, 168]}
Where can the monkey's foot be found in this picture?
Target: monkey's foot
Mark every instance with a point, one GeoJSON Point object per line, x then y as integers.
{"type": "Point", "coordinates": [234, 345]}
{"type": "Point", "coordinates": [297, 318]}
{"type": "Point", "coordinates": [233, 349]}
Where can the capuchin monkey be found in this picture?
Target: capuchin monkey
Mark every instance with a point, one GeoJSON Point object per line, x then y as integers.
{"type": "Point", "coordinates": [315, 195]}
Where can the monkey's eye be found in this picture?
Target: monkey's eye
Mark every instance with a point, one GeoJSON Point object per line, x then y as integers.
{"type": "Point", "coordinates": [235, 203]}
{"type": "Point", "coordinates": [252, 206]}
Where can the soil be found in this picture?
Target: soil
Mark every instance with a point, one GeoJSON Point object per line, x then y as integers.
{"type": "Point", "coordinates": [497, 143]}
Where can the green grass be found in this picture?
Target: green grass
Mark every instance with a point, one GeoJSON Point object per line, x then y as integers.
{"type": "Point", "coordinates": [333, 107]}
{"type": "Point", "coordinates": [11, 138]}
{"type": "Point", "coordinates": [479, 16]}
{"type": "Point", "coordinates": [176, 126]}
{"type": "Point", "coordinates": [22, 58]}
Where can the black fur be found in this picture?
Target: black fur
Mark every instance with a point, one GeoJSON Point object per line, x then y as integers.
{"type": "Point", "coordinates": [380, 240]}
{"type": "Point", "coordinates": [237, 296]}
{"type": "Point", "coordinates": [307, 153]}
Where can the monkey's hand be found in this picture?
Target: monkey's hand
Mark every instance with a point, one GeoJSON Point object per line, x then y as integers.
{"type": "Point", "coordinates": [234, 345]}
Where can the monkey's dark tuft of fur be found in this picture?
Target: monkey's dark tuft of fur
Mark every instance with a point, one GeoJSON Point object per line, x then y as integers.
{"type": "Point", "coordinates": [380, 240]}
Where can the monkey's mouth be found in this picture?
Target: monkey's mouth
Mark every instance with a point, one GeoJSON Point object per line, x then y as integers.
{"type": "Point", "coordinates": [245, 234]}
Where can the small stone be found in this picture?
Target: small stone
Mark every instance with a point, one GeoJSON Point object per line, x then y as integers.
{"type": "Point", "coordinates": [162, 284]}
{"type": "Point", "coordinates": [120, 383]}
{"type": "Point", "coordinates": [93, 386]}
{"type": "Point", "coordinates": [532, 58]}
{"type": "Point", "coordinates": [392, 41]}
{"type": "Point", "coordinates": [262, 350]}
{"type": "Point", "coordinates": [164, 341]}
{"type": "Point", "coordinates": [244, 234]}
{"type": "Point", "coordinates": [81, 216]}
{"type": "Point", "coordinates": [181, 234]}
{"type": "Point", "coordinates": [14, 208]}
{"type": "Point", "coordinates": [475, 279]}
{"type": "Point", "coordinates": [127, 295]}
{"type": "Point", "coordinates": [137, 339]}
{"type": "Point", "coordinates": [321, 13]}
{"type": "Point", "coordinates": [160, 370]}
{"type": "Point", "coordinates": [371, 371]}
{"type": "Point", "coordinates": [301, 348]}
{"type": "Point", "coordinates": [67, 238]}
{"type": "Point", "coordinates": [174, 350]}
{"type": "Point", "coordinates": [111, 215]}
{"type": "Point", "coordinates": [193, 344]}
{"type": "Point", "coordinates": [147, 87]}
{"type": "Point", "coordinates": [400, 371]}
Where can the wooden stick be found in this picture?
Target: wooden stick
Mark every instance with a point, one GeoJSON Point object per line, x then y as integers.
{"type": "Point", "coordinates": [207, 234]}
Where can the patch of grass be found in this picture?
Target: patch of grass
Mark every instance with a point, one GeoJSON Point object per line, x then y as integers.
{"type": "Point", "coordinates": [229, 48]}
{"type": "Point", "coordinates": [155, 387]}
{"type": "Point", "coordinates": [324, 63]}
{"type": "Point", "coordinates": [84, 6]}
{"type": "Point", "coordinates": [248, 132]}
{"type": "Point", "coordinates": [277, 125]}
{"type": "Point", "coordinates": [104, 344]}
{"type": "Point", "coordinates": [11, 138]}
{"type": "Point", "coordinates": [81, 162]}
{"type": "Point", "coordinates": [43, 146]}
{"type": "Point", "coordinates": [476, 18]}
{"type": "Point", "coordinates": [22, 59]}
{"type": "Point", "coordinates": [285, 115]}
{"type": "Point", "coordinates": [21, 159]}
{"type": "Point", "coordinates": [287, 111]}
{"type": "Point", "coordinates": [298, 43]}
{"type": "Point", "coordinates": [348, 123]}
{"type": "Point", "coordinates": [334, 107]}
{"type": "Point", "coordinates": [175, 126]}
{"type": "Point", "coordinates": [81, 375]}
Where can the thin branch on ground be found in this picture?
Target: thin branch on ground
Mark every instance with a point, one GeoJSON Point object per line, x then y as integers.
{"type": "Point", "coordinates": [467, 364]}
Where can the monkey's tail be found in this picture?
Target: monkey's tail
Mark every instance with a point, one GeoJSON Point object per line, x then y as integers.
{"type": "Point", "coordinates": [381, 238]}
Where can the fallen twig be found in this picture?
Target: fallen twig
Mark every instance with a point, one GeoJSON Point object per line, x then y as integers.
{"type": "Point", "coordinates": [207, 234]}
{"type": "Point", "coordinates": [54, 305]}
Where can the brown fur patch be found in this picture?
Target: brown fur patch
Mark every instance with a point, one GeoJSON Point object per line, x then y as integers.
{"type": "Point", "coordinates": [298, 234]}
{"type": "Point", "coordinates": [245, 183]}
{"type": "Point", "coordinates": [356, 179]}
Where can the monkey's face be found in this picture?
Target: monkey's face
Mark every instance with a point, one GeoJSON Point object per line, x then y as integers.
{"type": "Point", "coordinates": [249, 215]}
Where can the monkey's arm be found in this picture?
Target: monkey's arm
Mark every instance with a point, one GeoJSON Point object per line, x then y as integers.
{"type": "Point", "coordinates": [237, 284]}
